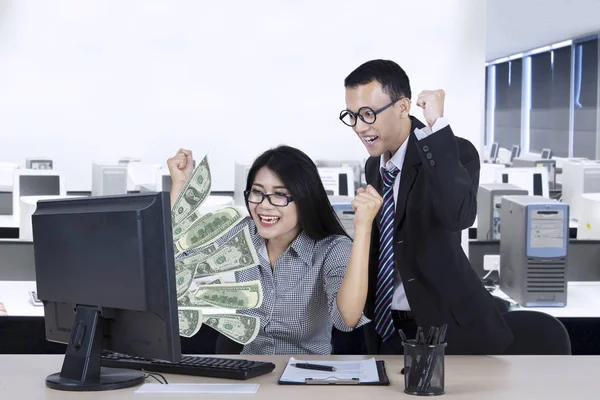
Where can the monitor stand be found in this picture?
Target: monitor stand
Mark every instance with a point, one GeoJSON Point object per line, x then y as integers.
{"type": "Point", "coordinates": [81, 369]}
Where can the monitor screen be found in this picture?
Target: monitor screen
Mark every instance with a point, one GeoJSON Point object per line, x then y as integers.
{"type": "Point", "coordinates": [494, 152]}
{"type": "Point", "coordinates": [546, 154]}
{"type": "Point", "coordinates": [514, 152]}
{"type": "Point", "coordinates": [39, 185]}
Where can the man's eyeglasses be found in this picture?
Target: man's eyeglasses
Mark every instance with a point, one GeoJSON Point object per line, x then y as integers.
{"type": "Point", "coordinates": [366, 114]}
{"type": "Point", "coordinates": [276, 199]}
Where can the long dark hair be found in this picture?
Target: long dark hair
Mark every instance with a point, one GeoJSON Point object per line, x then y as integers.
{"type": "Point", "coordinates": [300, 176]}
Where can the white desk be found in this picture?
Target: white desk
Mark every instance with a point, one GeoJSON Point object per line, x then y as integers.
{"type": "Point", "coordinates": [16, 299]}
{"type": "Point", "coordinates": [467, 377]}
{"type": "Point", "coordinates": [8, 221]}
{"type": "Point", "coordinates": [583, 301]}
{"type": "Point", "coordinates": [572, 223]}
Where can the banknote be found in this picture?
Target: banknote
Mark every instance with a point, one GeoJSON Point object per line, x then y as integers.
{"type": "Point", "coordinates": [239, 328]}
{"type": "Point", "coordinates": [237, 254]}
{"type": "Point", "coordinates": [193, 194]}
{"type": "Point", "coordinates": [190, 321]}
{"type": "Point", "coordinates": [238, 296]}
{"type": "Point", "coordinates": [183, 226]}
{"type": "Point", "coordinates": [184, 277]}
{"type": "Point", "coordinates": [209, 228]}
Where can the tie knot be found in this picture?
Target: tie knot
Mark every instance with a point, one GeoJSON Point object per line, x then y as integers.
{"type": "Point", "coordinates": [389, 176]}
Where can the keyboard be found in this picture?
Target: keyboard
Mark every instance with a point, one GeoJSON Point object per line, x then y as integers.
{"type": "Point", "coordinates": [213, 367]}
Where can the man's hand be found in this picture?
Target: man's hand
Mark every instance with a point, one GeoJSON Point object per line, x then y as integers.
{"type": "Point", "coordinates": [181, 167]}
{"type": "Point", "coordinates": [366, 205]}
{"type": "Point", "coordinates": [432, 103]}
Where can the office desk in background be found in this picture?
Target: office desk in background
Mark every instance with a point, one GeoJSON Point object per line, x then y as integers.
{"type": "Point", "coordinates": [583, 301]}
{"type": "Point", "coordinates": [467, 377]}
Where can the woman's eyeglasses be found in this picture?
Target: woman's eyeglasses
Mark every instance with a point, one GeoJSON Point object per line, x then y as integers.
{"type": "Point", "coordinates": [276, 199]}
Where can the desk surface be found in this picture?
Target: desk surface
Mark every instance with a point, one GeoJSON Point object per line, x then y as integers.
{"type": "Point", "coordinates": [583, 300]}
{"type": "Point", "coordinates": [467, 377]}
{"type": "Point", "coordinates": [8, 221]}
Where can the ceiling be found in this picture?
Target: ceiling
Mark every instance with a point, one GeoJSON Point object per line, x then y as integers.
{"type": "Point", "coordinates": [515, 26]}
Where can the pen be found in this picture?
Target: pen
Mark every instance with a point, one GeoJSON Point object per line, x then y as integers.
{"type": "Point", "coordinates": [315, 367]}
{"type": "Point", "coordinates": [402, 335]}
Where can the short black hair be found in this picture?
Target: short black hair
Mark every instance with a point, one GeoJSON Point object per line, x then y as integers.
{"type": "Point", "coordinates": [300, 176]}
{"type": "Point", "coordinates": [389, 74]}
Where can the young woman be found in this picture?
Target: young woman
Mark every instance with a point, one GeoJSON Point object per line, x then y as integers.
{"type": "Point", "coordinates": [313, 275]}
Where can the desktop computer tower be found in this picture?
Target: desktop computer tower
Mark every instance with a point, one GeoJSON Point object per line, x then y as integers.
{"type": "Point", "coordinates": [550, 166]}
{"type": "Point", "coordinates": [533, 250]}
{"type": "Point", "coordinates": [489, 198]}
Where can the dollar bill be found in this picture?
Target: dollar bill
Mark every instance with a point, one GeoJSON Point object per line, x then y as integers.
{"type": "Point", "coordinates": [237, 296]}
{"type": "Point", "coordinates": [193, 194]}
{"type": "Point", "coordinates": [238, 327]}
{"type": "Point", "coordinates": [237, 254]}
{"type": "Point", "coordinates": [190, 321]}
{"type": "Point", "coordinates": [184, 277]}
{"type": "Point", "coordinates": [183, 226]}
{"type": "Point", "coordinates": [209, 228]}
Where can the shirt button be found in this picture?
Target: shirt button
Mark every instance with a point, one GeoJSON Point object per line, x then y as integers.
{"type": "Point", "coordinates": [425, 148]}
{"type": "Point", "coordinates": [429, 156]}
{"type": "Point", "coordinates": [432, 163]}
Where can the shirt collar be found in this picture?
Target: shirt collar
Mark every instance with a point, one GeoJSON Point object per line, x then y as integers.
{"type": "Point", "coordinates": [387, 163]}
{"type": "Point", "coordinates": [302, 245]}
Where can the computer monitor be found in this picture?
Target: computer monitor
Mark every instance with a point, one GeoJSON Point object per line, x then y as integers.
{"type": "Point", "coordinates": [105, 273]}
{"type": "Point", "coordinates": [39, 163]}
{"type": "Point", "coordinates": [357, 166]}
{"type": "Point", "coordinates": [546, 154]}
{"type": "Point", "coordinates": [7, 171]}
{"type": "Point", "coordinates": [36, 182]}
{"type": "Point", "coordinates": [589, 218]}
{"type": "Point", "coordinates": [109, 179]}
{"type": "Point", "coordinates": [534, 180]}
{"type": "Point", "coordinates": [338, 181]}
{"type": "Point", "coordinates": [240, 178]}
{"type": "Point", "coordinates": [163, 181]}
{"type": "Point", "coordinates": [141, 175]}
{"type": "Point", "coordinates": [515, 152]}
{"type": "Point", "coordinates": [494, 152]}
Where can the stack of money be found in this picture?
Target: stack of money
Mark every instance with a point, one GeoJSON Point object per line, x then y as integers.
{"type": "Point", "coordinates": [212, 302]}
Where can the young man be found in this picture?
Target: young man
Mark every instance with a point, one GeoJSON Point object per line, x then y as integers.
{"type": "Point", "coordinates": [428, 178]}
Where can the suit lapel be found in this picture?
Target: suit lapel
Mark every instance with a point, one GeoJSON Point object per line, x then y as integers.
{"type": "Point", "coordinates": [377, 183]}
{"type": "Point", "coordinates": [410, 169]}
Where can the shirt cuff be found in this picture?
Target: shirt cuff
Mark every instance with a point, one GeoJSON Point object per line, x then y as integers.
{"type": "Point", "coordinates": [338, 320]}
{"type": "Point", "coordinates": [439, 124]}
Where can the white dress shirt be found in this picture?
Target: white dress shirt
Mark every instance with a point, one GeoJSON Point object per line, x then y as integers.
{"type": "Point", "coordinates": [399, 300]}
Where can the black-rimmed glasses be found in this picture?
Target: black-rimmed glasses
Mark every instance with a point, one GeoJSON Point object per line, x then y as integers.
{"type": "Point", "coordinates": [276, 199]}
{"type": "Point", "coordinates": [366, 114]}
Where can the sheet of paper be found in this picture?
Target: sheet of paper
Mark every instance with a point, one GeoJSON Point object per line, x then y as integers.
{"type": "Point", "coordinates": [364, 370]}
{"type": "Point", "coordinates": [207, 388]}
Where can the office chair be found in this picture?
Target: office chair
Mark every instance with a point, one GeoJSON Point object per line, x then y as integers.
{"type": "Point", "coordinates": [342, 343]}
{"type": "Point", "coordinates": [501, 304]}
{"type": "Point", "coordinates": [227, 346]}
{"type": "Point", "coordinates": [537, 333]}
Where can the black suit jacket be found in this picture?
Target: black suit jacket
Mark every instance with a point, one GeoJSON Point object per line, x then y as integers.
{"type": "Point", "coordinates": [437, 199]}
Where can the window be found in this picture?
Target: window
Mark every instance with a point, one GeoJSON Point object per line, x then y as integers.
{"type": "Point", "coordinates": [585, 113]}
{"type": "Point", "coordinates": [550, 101]}
{"type": "Point", "coordinates": [507, 113]}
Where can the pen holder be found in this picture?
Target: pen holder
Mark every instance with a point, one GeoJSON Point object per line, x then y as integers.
{"type": "Point", "coordinates": [424, 371]}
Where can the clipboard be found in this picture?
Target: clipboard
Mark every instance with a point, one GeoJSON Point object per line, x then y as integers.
{"type": "Point", "coordinates": [383, 379]}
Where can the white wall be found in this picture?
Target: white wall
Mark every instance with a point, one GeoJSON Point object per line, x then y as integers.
{"type": "Point", "coordinates": [98, 80]}
{"type": "Point", "coordinates": [516, 26]}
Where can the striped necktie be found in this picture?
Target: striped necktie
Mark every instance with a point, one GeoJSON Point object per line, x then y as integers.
{"type": "Point", "coordinates": [384, 324]}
